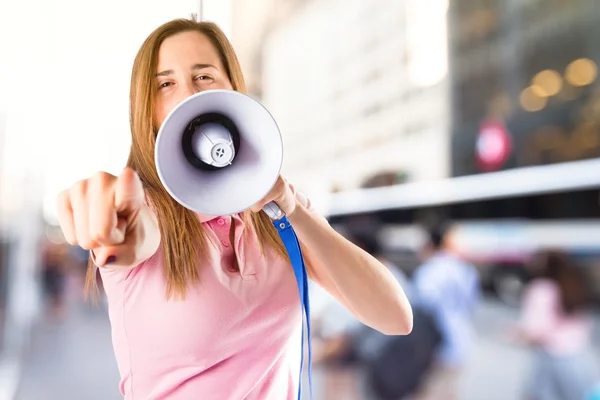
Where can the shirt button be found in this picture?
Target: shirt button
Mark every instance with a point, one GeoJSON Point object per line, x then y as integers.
{"type": "Point", "coordinates": [225, 243]}
{"type": "Point", "coordinates": [221, 221]}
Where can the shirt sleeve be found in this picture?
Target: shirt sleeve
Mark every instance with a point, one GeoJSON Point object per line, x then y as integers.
{"type": "Point", "coordinates": [427, 287]}
{"type": "Point", "coordinates": [539, 312]}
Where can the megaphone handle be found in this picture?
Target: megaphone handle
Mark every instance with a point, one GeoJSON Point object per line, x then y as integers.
{"type": "Point", "coordinates": [292, 246]}
{"type": "Point", "coordinates": [273, 211]}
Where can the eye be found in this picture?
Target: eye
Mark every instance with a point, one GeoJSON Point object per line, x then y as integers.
{"type": "Point", "coordinates": [203, 77]}
{"type": "Point", "coordinates": [164, 85]}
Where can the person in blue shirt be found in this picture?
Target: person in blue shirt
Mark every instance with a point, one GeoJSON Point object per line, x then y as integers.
{"type": "Point", "coordinates": [365, 362]}
{"type": "Point", "coordinates": [449, 287]}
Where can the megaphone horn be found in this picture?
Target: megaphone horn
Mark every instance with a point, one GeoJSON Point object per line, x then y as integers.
{"type": "Point", "coordinates": [219, 152]}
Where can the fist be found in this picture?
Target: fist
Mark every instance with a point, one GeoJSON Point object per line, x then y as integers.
{"type": "Point", "coordinates": [102, 214]}
{"type": "Point", "coordinates": [281, 194]}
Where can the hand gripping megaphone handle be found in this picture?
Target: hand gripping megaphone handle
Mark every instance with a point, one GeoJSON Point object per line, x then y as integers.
{"type": "Point", "coordinates": [273, 211]}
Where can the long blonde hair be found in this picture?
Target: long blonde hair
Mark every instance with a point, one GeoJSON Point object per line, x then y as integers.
{"type": "Point", "coordinates": [183, 238]}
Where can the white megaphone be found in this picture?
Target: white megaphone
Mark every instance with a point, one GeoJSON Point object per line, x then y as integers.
{"type": "Point", "coordinates": [219, 152]}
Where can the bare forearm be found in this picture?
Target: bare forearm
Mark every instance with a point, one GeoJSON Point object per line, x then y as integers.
{"type": "Point", "coordinates": [366, 286]}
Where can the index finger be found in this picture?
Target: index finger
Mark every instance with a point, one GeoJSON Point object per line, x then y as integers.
{"type": "Point", "coordinates": [129, 193]}
{"type": "Point", "coordinates": [102, 217]}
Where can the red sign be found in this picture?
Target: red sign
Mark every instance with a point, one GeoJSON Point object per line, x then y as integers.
{"type": "Point", "coordinates": [493, 145]}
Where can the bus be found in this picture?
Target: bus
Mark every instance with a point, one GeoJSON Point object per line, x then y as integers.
{"type": "Point", "coordinates": [501, 219]}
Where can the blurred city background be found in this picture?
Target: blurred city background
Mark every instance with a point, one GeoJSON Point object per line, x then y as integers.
{"type": "Point", "coordinates": [442, 135]}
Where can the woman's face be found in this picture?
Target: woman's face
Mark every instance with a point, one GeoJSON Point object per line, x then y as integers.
{"type": "Point", "coordinates": [188, 63]}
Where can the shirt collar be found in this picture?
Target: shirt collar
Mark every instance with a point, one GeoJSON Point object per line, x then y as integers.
{"type": "Point", "coordinates": [207, 218]}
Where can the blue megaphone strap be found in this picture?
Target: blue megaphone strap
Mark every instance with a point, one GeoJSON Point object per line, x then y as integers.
{"type": "Point", "coordinates": [290, 241]}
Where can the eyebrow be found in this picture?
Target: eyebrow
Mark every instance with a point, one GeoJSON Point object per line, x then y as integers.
{"type": "Point", "coordinates": [196, 67]}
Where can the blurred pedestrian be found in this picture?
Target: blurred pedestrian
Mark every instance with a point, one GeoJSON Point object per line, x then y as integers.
{"type": "Point", "coordinates": [556, 322]}
{"type": "Point", "coordinates": [449, 288]}
{"type": "Point", "coordinates": [54, 264]}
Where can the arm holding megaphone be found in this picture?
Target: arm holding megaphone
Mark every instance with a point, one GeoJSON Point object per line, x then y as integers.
{"type": "Point", "coordinates": [109, 216]}
{"type": "Point", "coordinates": [354, 277]}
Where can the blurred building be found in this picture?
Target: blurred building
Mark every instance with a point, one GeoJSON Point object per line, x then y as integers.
{"type": "Point", "coordinates": [355, 87]}
{"type": "Point", "coordinates": [525, 141]}
{"type": "Point", "coordinates": [3, 245]}
{"type": "Point", "coordinates": [524, 87]}
{"type": "Point", "coordinates": [252, 21]}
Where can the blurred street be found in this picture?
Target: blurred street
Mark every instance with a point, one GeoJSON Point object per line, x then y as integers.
{"type": "Point", "coordinates": [71, 359]}
{"type": "Point", "coordinates": [74, 359]}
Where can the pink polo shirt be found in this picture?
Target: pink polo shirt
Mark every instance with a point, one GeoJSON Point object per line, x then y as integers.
{"type": "Point", "coordinates": [235, 336]}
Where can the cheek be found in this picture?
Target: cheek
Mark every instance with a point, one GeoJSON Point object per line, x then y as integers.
{"type": "Point", "coordinates": [224, 83]}
{"type": "Point", "coordinates": [161, 110]}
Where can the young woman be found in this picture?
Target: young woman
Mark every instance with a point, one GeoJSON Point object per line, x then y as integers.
{"type": "Point", "coordinates": [201, 306]}
{"type": "Point", "coordinates": [557, 323]}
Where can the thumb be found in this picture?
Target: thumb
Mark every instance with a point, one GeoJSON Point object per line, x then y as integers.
{"type": "Point", "coordinates": [129, 193]}
{"type": "Point", "coordinates": [115, 256]}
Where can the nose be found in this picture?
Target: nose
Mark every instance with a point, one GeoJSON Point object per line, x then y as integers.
{"type": "Point", "coordinates": [189, 89]}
